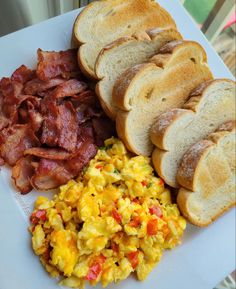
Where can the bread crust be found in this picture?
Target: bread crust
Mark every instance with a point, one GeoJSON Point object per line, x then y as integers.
{"type": "Point", "coordinates": [182, 201]}
{"type": "Point", "coordinates": [151, 35]}
{"type": "Point", "coordinates": [120, 94]}
{"type": "Point", "coordinates": [115, 15]}
{"type": "Point", "coordinates": [162, 124]}
{"type": "Point", "coordinates": [121, 128]}
{"type": "Point", "coordinates": [188, 173]}
{"type": "Point", "coordinates": [167, 122]}
{"type": "Point", "coordinates": [190, 162]}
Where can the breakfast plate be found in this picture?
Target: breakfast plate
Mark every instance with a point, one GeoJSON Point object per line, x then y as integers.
{"type": "Point", "coordinates": [206, 255]}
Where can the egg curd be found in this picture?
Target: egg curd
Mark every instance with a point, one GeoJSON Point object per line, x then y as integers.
{"type": "Point", "coordinates": [117, 218]}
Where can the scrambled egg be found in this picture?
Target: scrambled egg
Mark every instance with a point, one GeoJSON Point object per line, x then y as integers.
{"type": "Point", "coordinates": [117, 218]}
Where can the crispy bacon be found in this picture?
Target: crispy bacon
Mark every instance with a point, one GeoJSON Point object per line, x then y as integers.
{"type": "Point", "coordinates": [52, 64]}
{"type": "Point", "coordinates": [50, 122]}
{"type": "Point", "coordinates": [103, 129]}
{"type": "Point", "coordinates": [36, 86]}
{"type": "Point", "coordinates": [1, 162]}
{"type": "Point", "coordinates": [86, 152]}
{"type": "Point", "coordinates": [48, 153]}
{"type": "Point", "coordinates": [49, 129]}
{"type": "Point", "coordinates": [69, 88]}
{"type": "Point", "coordinates": [22, 74]}
{"type": "Point", "coordinates": [14, 141]}
{"type": "Point", "coordinates": [22, 173]}
{"type": "Point", "coordinates": [67, 126]}
{"type": "Point", "coordinates": [50, 174]}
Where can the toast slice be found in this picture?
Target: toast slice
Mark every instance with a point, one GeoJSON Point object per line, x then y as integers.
{"type": "Point", "coordinates": [146, 90]}
{"type": "Point", "coordinates": [102, 22]}
{"type": "Point", "coordinates": [211, 104]}
{"type": "Point", "coordinates": [207, 174]}
{"type": "Point", "coordinates": [124, 53]}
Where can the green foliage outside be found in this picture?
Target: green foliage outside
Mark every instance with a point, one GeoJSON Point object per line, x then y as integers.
{"type": "Point", "coordinates": [199, 9]}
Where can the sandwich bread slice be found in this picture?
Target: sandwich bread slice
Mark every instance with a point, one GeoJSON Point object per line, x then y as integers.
{"type": "Point", "coordinates": [102, 22]}
{"type": "Point", "coordinates": [207, 176]}
{"type": "Point", "coordinates": [144, 91]}
{"type": "Point", "coordinates": [174, 131]}
{"type": "Point", "coordinates": [124, 53]}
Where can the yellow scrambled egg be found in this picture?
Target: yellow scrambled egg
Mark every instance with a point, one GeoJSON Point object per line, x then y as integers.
{"type": "Point", "coordinates": [117, 218]}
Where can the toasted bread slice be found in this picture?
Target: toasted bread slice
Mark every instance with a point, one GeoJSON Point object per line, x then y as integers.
{"type": "Point", "coordinates": [102, 22]}
{"type": "Point", "coordinates": [207, 174]}
{"type": "Point", "coordinates": [211, 104]}
{"type": "Point", "coordinates": [124, 53]}
{"type": "Point", "coordinates": [146, 90]}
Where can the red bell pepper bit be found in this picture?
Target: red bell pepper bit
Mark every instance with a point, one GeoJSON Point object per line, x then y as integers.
{"type": "Point", "coordinates": [133, 258]}
{"type": "Point", "coordinates": [156, 210]}
{"type": "Point", "coordinates": [152, 227]}
{"type": "Point", "coordinates": [96, 268]}
{"type": "Point", "coordinates": [116, 216]}
{"type": "Point", "coordinates": [144, 183]}
{"type": "Point", "coordinates": [135, 222]}
{"type": "Point", "coordinates": [161, 182]}
{"type": "Point", "coordinates": [99, 167]}
{"type": "Point", "coordinates": [40, 215]}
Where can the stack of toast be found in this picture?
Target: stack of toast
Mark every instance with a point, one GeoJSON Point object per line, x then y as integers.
{"type": "Point", "coordinates": [160, 91]}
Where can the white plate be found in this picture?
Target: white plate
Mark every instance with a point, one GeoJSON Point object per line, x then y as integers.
{"type": "Point", "coordinates": [205, 257]}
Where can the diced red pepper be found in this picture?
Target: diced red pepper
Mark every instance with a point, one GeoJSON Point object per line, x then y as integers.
{"type": "Point", "coordinates": [40, 215]}
{"type": "Point", "coordinates": [161, 182]}
{"type": "Point", "coordinates": [144, 183]}
{"type": "Point", "coordinates": [152, 227]}
{"type": "Point", "coordinates": [135, 222]}
{"type": "Point", "coordinates": [99, 167]}
{"type": "Point", "coordinates": [133, 258]}
{"type": "Point", "coordinates": [96, 268]}
{"type": "Point", "coordinates": [156, 210]}
{"type": "Point", "coordinates": [116, 216]}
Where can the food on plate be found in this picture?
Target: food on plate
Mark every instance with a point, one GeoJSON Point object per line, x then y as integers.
{"type": "Point", "coordinates": [175, 131]}
{"type": "Point", "coordinates": [102, 22]}
{"type": "Point", "coordinates": [117, 218]}
{"type": "Point", "coordinates": [124, 53]}
{"type": "Point", "coordinates": [51, 122]}
{"type": "Point", "coordinates": [146, 90]}
{"type": "Point", "coordinates": [208, 177]}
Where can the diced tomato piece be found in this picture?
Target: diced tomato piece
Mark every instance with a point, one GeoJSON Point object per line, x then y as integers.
{"type": "Point", "coordinates": [133, 258]}
{"type": "Point", "coordinates": [40, 215]}
{"type": "Point", "coordinates": [96, 268]}
{"type": "Point", "coordinates": [152, 227]}
{"type": "Point", "coordinates": [116, 216]}
{"type": "Point", "coordinates": [144, 183]}
{"type": "Point", "coordinates": [156, 210]}
{"type": "Point", "coordinates": [135, 222]}
{"type": "Point", "coordinates": [99, 167]}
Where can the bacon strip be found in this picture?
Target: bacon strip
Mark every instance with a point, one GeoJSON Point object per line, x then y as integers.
{"type": "Point", "coordinates": [50, 122]}
{"type": "Point", "coordinates": [67, 126]}
{"type": "Point", "coordinates": [22, 74]}
{"type": "Point", "coordinates": [69, 88]}
{"type": "Point", "coordinates": [36, 85]}
{"type": "Point", "coordinates": [14, 141]}
{"type": "Point", "coordinates": [50, 174]}
{"type": "Point", "coordinates": [48, 153]}
{"type": "Point", "coordinates": [52, 64]}
{"type": "Point", "coordinates": [22, 173]}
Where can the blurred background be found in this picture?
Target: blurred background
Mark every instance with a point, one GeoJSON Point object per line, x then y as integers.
{"type": "Point", "coordinates": [216, 18]}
